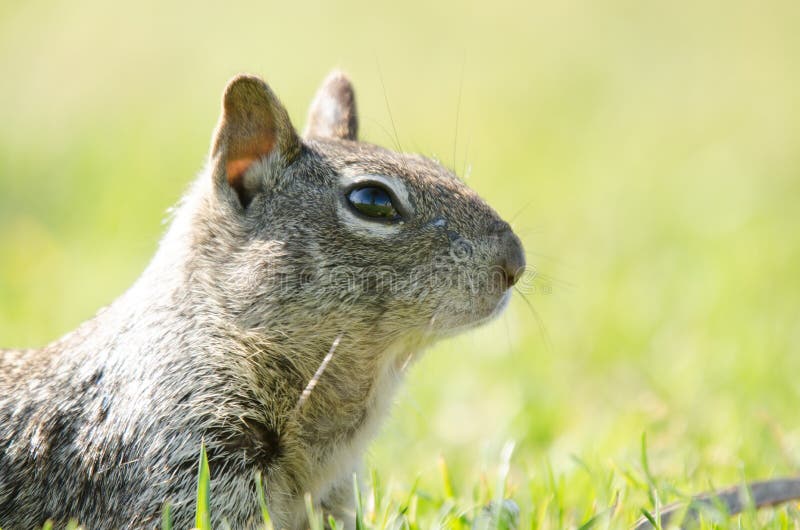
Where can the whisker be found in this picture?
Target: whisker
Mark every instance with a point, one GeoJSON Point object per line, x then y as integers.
{"type": "Point", "coordinates": [549, 278]}
{"type": "Point", "coordinates": [383, 128]}
{"type": "Point", "coordinates": [467, 167]}
{"type": "Point", "coordinates": [526, 231]}
{"type": "Point", "coordinates": [388, 107]}
{"type": "Point", "coordinates": [524, 207]}
{"type": "Point", "coordinates": [508, 332]}
{"type": "Point", "coordinates": [458, 112]}
{"type": "Point", "coordinates": [548, 345]}
{"type": "Point", "coordinates": [541, 255]}
{"type": "Point", "coordinates": [313, 382]}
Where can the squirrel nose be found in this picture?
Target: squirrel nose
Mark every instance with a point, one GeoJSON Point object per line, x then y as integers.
{"type": "Point", "coordinates": [512, 257]}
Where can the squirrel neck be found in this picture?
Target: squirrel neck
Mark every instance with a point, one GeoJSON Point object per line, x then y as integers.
{"type": "Point", "coordinates": [172, 325]}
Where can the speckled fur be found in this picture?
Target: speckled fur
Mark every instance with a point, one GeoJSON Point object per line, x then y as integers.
{"type": "Point", "coordinates": [217, 339]}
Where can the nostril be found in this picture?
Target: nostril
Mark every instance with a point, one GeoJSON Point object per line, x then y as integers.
{"type": "Point", "coordinates": [513, 274]}
{"type": "Point", "coordinates": [512, 262]}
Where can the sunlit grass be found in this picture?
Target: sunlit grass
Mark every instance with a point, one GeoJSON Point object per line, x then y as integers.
{"type": "Point", "coordinates": [501, 503]}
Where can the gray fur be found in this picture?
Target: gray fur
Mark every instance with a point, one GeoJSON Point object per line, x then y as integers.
{"type": "Point", "coordinates": [333, 112]}
{"type": "Point", "coordinates": [220, 335]}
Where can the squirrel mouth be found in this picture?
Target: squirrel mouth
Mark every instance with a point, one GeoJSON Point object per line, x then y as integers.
{"type": "Point", "coordinates": [479, 313]}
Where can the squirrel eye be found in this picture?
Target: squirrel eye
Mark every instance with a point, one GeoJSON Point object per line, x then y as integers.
{"type": "Point", "coordinates": [374, 202]}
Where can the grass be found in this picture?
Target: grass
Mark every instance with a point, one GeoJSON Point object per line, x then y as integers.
{"type": "Point", "coordinates": [648, 156]}
{"type": "Point", "coordinates": [202, 518]}
{"type": "Point", "coordinates": [498, 508]}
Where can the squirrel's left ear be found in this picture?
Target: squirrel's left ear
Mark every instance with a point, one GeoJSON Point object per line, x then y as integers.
{"type": "Point", "coordinates": [333, 111]}
{"type": "Point", "coordinates": [253, 126]}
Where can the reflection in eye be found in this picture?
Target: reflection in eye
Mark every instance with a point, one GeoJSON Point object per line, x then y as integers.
{"type": "Point", "coordinates": [374, 202]}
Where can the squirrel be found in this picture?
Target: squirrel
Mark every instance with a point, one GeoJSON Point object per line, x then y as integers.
{"type": "Point", "coordinates": [299, 277]}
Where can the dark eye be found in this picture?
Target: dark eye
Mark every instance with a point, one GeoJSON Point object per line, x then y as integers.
{"type": "Point", "coordinates": [374, 202]}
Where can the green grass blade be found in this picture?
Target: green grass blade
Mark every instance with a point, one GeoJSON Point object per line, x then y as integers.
{"type": "Point", "coordinates": [359, 504]}
{"type": "Point", "coordinates": [592, 522]}
{"type": "Point", "coordinates": [262, 501]}
{"type": "Point", "coordinates": [649, 516]}
{"type": "Point", "coordinates": [449, 492]}
{"type": "Point", "coordinates": [406, 505]}
{"type": "Point", "coordinates": [202, 517]}
{"type": "Point", "coordinates": [502, 477]}
{"type": "Point", "coordinates": [314, 520]}
{"type": "Point", "coordinates": [166, 517]}
{"type": "Point", "coordinates": [375, 480]}
{"type": "Point", "coordinates": [646, 463]}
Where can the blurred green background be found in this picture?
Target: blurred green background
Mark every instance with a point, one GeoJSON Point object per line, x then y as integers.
{"type": "Point", "coordinates": [648, 153]}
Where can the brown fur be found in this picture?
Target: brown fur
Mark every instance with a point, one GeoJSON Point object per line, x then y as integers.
{"type": "Point", "coordinates": [264, 267]}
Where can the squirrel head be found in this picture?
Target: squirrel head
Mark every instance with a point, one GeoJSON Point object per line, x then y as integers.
{"type": "Point", "coordinates": [324, 234]}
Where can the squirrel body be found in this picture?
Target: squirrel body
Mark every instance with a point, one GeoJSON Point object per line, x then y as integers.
{"type": "Point", "coordinates": [297, 280]}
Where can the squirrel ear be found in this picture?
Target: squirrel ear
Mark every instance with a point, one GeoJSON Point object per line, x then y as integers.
{"type": "Point", "coordinates": [253, 125]}
{"type": "Point", "coordinates": [333, 111]}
